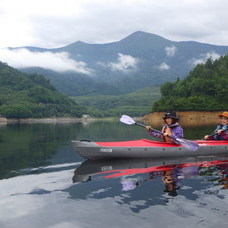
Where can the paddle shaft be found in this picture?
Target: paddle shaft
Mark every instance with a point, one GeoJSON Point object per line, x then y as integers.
{"type": "Point", "coordinates": [215, 133]}
{"type": "Point", "coordinates": [142, 125]}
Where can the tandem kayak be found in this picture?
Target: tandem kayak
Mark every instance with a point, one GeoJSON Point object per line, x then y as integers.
{"type": "Point", "coordinates": [125, 167]}
{"type": "Point", "coordinates": [145, 148]}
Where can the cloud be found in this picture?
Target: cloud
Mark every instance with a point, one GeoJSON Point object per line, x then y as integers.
{"type": "Point", "coordinates": [203, 58]}
{"type": "Point", "coordinates": [101, 21]}
{"type": "Point", "coordinates": [163, 66]}
{"type": "Point", "coordinates": [171, 51]}
{"type": "Point", "coordinates": [59, 62]}
{"type": "Point", "coordinates": [125, 63]}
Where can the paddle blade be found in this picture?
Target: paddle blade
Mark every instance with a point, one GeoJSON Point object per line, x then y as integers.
{"type": "Point", "coordinates": [127, 120]}
{"type": "Point", "coordinates": [193, 146]}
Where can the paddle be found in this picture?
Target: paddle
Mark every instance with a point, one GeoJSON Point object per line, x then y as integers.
{"type": "Point", "coordinates": [215, 133]}
{"type": "Point", "coordinates": [186, 143]}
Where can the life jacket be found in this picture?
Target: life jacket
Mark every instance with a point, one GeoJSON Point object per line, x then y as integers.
{"type": "Point", "coordinates": [168, 130]}
{"type": "Point", "coordinates": [224, 135]}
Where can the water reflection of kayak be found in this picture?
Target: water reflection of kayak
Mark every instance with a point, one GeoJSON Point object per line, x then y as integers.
{"type": "Point", "coordinates": [124, 167]}
{"type": "Point", "coordinates": [145, 149]}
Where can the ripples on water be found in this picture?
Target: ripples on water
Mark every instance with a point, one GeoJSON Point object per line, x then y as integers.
{"type": "Point", "coordinates": [59, 189]}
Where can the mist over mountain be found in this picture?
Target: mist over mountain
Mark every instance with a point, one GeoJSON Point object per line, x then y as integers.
{"type": "Point", "coordinates": [137, 61]}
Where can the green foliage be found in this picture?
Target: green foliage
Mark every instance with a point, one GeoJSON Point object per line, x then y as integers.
{"type": "Point", "coordinates": [205, 88]}
{"type": "Point", "coordinates": [16, 111]}
{"type": "Point", "coordinates": [32, 96]}
{"type": "Point", "coordinates": [135, 104]}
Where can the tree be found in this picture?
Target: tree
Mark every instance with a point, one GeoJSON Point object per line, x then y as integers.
{"type": "Point", "coordinates": [205, 88]}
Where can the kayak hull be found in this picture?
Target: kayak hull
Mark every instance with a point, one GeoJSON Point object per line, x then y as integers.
{"type": "Point", "coordinates": [145, 149]}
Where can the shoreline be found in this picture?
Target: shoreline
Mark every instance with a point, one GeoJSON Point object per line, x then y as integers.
{"type": "Point", "coordinates": [54, 120]}
{"type": "Point", "coordinates": [187, 118]}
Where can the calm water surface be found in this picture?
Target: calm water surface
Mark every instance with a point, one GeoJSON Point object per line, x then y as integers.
{"type": "Point", "coordinates": [44, 183]}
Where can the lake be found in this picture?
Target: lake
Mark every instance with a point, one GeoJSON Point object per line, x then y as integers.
{"type": "Point", "coordinates": [44, 183]}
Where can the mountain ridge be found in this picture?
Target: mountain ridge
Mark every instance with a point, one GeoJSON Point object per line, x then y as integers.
{"type": "Point", "coordinates": [139, 60]}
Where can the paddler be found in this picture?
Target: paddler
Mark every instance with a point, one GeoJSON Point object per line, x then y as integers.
{"type": "Point", "coordinates": [170, 127]}
{"type": "Point", "coordinates": [221, 131]}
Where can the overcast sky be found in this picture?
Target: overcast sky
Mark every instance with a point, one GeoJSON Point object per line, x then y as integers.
{"type": "Point", "coordinates": [56, 23]}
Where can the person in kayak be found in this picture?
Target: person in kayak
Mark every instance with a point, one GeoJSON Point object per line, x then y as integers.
{"type": "Point", "coordinates": [221, 131]}
{"type": "Point", "coordinates": [170, 128]}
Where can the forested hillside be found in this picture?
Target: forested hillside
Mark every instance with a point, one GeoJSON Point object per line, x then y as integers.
{"type": "Point", "coordinates": [137, 103]}
{"type": "Point", "coordinates": [205, 88]}
{"type": "Point", "coordinates": [32, 96]}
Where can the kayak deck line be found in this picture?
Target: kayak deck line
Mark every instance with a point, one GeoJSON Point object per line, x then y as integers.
{"type": "Point", "coordinates": [149, 143]}
{"type": "Point", "coordinates": [137, 143]}
{"type": "Point", "coordinates": [211, 142]}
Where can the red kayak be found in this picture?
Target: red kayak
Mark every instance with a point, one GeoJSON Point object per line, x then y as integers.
{"type": "Point", "coordinates": [145, 148]}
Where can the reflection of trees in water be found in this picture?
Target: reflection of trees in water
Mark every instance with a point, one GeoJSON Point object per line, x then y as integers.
{"type": "Point", "coordinates": [2, 124]}
{"type": "Point", "coordinates": [197, 132]}
{"type": "Point", "coordinates": [30, 145]}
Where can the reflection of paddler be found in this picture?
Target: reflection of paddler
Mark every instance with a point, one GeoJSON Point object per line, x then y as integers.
{"type": "Point", "coordinates": [170, 183]}
{"type": "Point", "coordinates": [223, 172]}
{"type": "Point", "coordinates": [224, 182]}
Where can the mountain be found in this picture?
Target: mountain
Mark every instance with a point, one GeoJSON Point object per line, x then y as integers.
{"type": "Point", "coordinates": [137, 61]}
{"type": "Point", "coordinates": [32, 96]}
